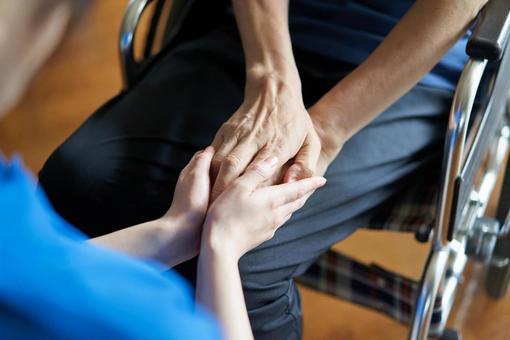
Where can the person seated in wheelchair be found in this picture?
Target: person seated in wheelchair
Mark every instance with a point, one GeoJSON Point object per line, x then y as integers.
{"type": "Point", "coordinates": [357, 90]}
{"type": "Point", "coordinates": [54, 283]}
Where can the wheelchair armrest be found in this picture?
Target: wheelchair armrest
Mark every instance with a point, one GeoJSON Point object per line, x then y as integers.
{"type": "Point", "coordinates": [491, 32]}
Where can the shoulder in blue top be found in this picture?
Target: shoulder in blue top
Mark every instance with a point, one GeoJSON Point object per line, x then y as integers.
{"type": "Point", "coordinates": [349, 30]}
{"type": "Point", "coordinates": [55, 285]}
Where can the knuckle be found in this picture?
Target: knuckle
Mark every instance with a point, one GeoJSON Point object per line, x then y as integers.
{"type": "Point", "coordinates": [193, 174]}
{"type": "Point", "coordinates": [217, 159]}
{"type": "Point", "coordinates": [259, 170]}
{"type": "Point", "coordinates": [232, 161]}
{"type": "Point", "coordinates": [199, 155]}
{"type": "Point", "coordinates": [242, 131]}
{"type": "Point", "coordinates": [229, 128]}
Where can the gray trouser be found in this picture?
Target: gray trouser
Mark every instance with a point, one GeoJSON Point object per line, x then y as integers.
{"type": "Point", "coordinates": [120, 167]}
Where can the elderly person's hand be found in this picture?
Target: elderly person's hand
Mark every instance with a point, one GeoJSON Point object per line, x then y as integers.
{"type": "Point", "coordinates": [272, 121]}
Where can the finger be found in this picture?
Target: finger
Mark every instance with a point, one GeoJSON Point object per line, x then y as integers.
{"type": "Point", "coordinates": [257, 173]}
{"type": "Point", "coordinates": [218, 140]}
{"type": "Point", "coordinates": [201, 161]}
{"type": "Point", "coordinates": [283, 221]}
{"type": "Point", "coordinates": [193, 161]}
{"type": "Point", "coordinates": [305, 161]}
{"type": "Point", "coordinates": [289, 192]}
{"type": "Point", "coordinates": [224, 148]}
{"type": "Point", "coordinates": [288, 209]}
{"type": "Point", "coordinates": [233, 165]}
{"type": "Point", "coordinates": [271, 151]}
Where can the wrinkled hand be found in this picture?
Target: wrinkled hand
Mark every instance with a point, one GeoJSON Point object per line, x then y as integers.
{"type": "Point", "coordinates": [272, 121]}
{"type": "Point", "coordinates": [245, 214]}
{"type": "Point", "coordinates": [331, 140]}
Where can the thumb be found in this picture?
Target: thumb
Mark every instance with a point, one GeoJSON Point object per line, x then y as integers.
{"type": "Point", "coordinates": [305, 160]}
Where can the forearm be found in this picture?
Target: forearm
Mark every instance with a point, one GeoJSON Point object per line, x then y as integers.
{"type": "Point", "coordinates": [264, 30]}
{"type": "Point", "coordinates": [219, 290]}
{"type": "Point", "coordinates": [160, 240]}
{"type": "Point", "coordinates": [414, 46]}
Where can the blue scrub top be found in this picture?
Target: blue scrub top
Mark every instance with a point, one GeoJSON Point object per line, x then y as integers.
{"type": "Point", "coordinates": [349, 30]}
{"type": "Point", "coordinates": [55, 285]}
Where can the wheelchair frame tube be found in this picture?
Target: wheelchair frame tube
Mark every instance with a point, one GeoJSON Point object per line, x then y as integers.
{"type": "Point", "coordinates": [454, 153]}
{"type": "Point", "coordinates": [130, 21]}
{"type": "Point", "coordinates": [434, 271]}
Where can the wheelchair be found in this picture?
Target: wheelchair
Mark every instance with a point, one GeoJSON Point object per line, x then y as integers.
{"type": "Point", "coordinates": [446, 209]}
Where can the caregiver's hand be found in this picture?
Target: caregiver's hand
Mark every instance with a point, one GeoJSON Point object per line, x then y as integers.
{"type": "Point", "coordinates": [245, 215]}
{"type": "Point", "coordinates": [272, 121]}
{"type": "Point", "coordinates": [191, 199]}
{"type": "Point", "coordinates": [174, 237]}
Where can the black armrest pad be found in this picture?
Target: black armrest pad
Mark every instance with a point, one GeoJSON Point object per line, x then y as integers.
{"type": "Point", "coordinates": [490, 34]}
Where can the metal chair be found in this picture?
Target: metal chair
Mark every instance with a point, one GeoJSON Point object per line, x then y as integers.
{"type": "Point", "coordinates": [446, 208]}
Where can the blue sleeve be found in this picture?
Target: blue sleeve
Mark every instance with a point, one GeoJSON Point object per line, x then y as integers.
{"type": "Point", "coordinates": [53, 284]}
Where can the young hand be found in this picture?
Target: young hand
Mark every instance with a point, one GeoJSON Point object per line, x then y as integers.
{"type": "Point", "coordinates": [245, 215]}
{"type": "Point", "coordinates": [191, 199]}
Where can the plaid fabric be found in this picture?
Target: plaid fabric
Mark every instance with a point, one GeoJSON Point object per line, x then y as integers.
{"type": "Point", "coordinates": [370, 285]}
{"type": "Point", "coordinates": [412, 211]}
{"type": "Point", "coordinates": [367, 285]}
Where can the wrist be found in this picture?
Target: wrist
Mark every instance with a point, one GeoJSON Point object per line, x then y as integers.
{"type": "Point", "coordinates": [217, 244]}
{"type": "Point", "coordinates": [283, 74]}
{"type": "Point", "coordinates": [332, 132]}
{"type": "Point", "coordinates": [179, 237]}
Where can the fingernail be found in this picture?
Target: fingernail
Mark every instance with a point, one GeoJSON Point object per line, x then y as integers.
{"type": "Point", "coordinates": [322, 181]}
{"type": "Point", "coordinates": [272, 161]}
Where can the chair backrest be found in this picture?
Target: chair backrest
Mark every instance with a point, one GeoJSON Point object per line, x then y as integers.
{"type": "Point", "coordinates": [180, 20]}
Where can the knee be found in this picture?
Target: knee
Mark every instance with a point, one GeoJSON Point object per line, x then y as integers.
{"type": "Point", "coordinates": [68, 178]}
{"type": "Point", "coordinates": [103, 187]}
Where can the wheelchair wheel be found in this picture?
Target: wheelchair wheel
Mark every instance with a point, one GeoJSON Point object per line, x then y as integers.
{"type": "Point", "coordinates": [498, 274]}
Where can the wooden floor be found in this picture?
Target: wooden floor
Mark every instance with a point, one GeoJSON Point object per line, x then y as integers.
{"type": "Point", "coordinates": [84, 73]}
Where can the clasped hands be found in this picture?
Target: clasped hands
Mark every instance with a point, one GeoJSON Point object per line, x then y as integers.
{"type": "Point", "coordinates": [264, 163]}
